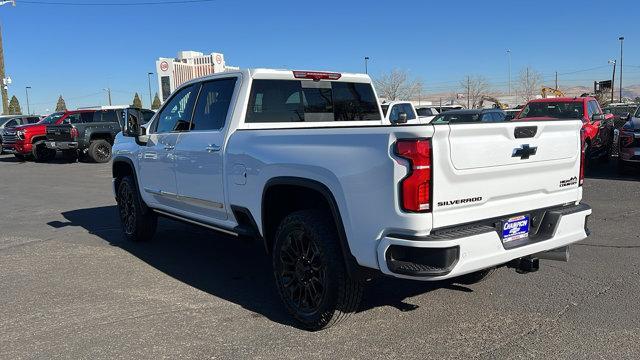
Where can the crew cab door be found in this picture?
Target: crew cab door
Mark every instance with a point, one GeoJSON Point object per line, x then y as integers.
{"type": "Point", "coordinates": [157, 159]}
{"type": "Point", "coordinates": [199, 152]}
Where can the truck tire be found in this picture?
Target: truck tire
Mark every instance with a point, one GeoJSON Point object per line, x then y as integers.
{"type": "Point", "coordinates": [70, 155]}
{"type": "Point", "coordinates": [138, 222]}
{"type": "Point", "coordinates": [99, 151]}
{"type": "Point", "coordinates": [41, 153]}
{"type": "Point", "coordinates": [474, 277]}
{"type": "Point", "coordinates": [310, 272]}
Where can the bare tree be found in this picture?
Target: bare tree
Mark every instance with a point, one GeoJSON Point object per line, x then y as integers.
{"type": "Point", "coordinates": [396, 85]}
{"type": "Point", "coordinates": [529, 83]}
{"type": "Point", "coordinates": [474, 87]}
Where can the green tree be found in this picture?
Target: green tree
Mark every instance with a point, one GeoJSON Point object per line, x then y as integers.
{"type": "Point", "coordinates": [61, 105]}
{"type": "Point", "coordinates": [137, 103]}
{"type": "Point", "coordinates": [14, 106]}
{"type": "Point", "coordinates": [156, 103]}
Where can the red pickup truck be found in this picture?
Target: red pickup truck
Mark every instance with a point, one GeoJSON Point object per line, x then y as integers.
{"type": "Point", "coordinates": [597, 128]}
{"type": "Point", "coordinates": [28, 141]}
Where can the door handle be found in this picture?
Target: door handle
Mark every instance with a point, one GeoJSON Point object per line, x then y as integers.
{"type": "Point", "coordinates": [212, 148]}
{"type": "Point", "coordinates": [169, 147]}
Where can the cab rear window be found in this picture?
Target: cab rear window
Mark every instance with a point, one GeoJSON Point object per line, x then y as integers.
{"type": "Point", "coordinates": [555, 110]}
{"type": "Point", "coordinates": [276, 101]}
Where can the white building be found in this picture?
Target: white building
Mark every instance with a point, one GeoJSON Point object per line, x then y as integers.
{"type": "Point", "coordinates": [188, 65]}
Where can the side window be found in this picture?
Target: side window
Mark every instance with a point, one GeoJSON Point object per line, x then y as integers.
{"type": "Point", "coordinates": [176, 115]}
{"type": "Point", "coordinates": [590, 110]}
{"type": "Point", "coordinates": [11, 123]}
{"type": "Point", "coordinates": [32, 120]}
{"type": "Point", "coordinates": [596, 108]}
{"type": "Point", "coordinates": [87, 117]}
{"type": "Point", "coordinates": [109, 116]}
{"type": "Point", "coordinates": [395, 113]}
{"type": "Point", "coordinates": [411, 114]}
{"type": "Point", "coordinates": [73, 119]}
{"type": "Point", "coordinates": [147, 115]}
{"type": "Point", "coordinates": [213, 104]}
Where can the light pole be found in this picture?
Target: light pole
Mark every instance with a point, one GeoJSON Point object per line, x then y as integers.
{"type": "Point", "coordinates": [26, 91]}
{"type": "Point", "coordinates": [149, 79]}
{"type": "Point", "coordinates": [108, 90]}
{"type": "Point", "coordinates": [3, 90]}
{"type": "Point", "coordinates": [613, 77]}
{"type": "Point", "coordinates": [621, 38]}
{"type": "Point", "coordinates": [366, 65]}
{"type": "Point", "coordinates": [509, 59]}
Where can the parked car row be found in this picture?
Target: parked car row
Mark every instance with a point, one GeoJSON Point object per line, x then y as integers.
{"type": "Point", "coordinates": [85, 134]}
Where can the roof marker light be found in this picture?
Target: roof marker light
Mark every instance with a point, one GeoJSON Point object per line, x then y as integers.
{"type": "Point", "coordinates": [316, 76]}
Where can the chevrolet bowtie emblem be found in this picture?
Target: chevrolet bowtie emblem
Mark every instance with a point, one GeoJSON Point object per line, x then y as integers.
{"type": "Point", "coordinates": [524, 151]}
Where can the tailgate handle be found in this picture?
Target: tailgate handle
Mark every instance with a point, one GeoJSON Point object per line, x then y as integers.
{"type": "Point", "coordinates": [524, 132]}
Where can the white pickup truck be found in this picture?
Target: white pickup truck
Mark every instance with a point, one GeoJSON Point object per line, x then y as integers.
{"type": "Point", "coordinates": [304, 162]}
{"type": "Point", "coordinates": [400, 112]}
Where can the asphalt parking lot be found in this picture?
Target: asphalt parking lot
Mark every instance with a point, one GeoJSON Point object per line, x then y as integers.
{"type": "Point", "coordinates": [70, 287]}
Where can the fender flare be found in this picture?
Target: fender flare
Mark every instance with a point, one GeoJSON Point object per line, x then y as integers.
{"type": "Point", "coordinates": [351, 264]}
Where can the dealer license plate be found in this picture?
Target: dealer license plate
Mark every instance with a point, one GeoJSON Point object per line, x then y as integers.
{"type": "Point", "coordinates": [515, 228]}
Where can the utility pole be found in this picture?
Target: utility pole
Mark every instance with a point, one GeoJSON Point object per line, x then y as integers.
{"type": "Point", "coordinates": [556, 80]}
{"type": "Point", "coordinates": [621, 38]}
{"type": "Point", "coordinates": [509, 58]}
{"type": "Point", "coordinates": [108, 90]}
{"type": "Point", "coordinates": [26, 91]}
{"type": "Point", "coordinates": [5, 94]}
{"type": "Point", "coordinates": [366, 65]}
{"type": "Point", "coordinates": [526, 86]}
{"type": "Point", "coordinates": [150, 99]}
{"type": "Point", "coordinates": [468, 92]}
{"type": "Point", "coordinates": [613, 77]}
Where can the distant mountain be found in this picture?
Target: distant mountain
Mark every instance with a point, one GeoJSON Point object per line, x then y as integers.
{"type": "Point", "coordinates": [629, 91]}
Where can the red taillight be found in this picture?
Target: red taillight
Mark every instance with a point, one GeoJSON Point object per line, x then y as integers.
{"type": "Point", "coordinates": [74, 132]}
{"type": "Point", "coordinates": [582, 157]}
{"type": "Point", "coordinates": [415, 188]}
{"type": "Point", "coordinates": [316, 76]}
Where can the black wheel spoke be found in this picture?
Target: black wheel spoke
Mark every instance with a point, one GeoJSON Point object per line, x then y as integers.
{"type": "Point", "coordinates": [301, 272]}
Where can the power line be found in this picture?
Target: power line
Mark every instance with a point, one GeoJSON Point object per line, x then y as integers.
{"type": "Point", "coordinates": [135, 3]}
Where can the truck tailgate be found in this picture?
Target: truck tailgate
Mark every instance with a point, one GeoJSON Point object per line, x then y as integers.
{"type": "Point", "coordinates": [488, 170]}
{"type": "Point", "coordinates": [59, 133]}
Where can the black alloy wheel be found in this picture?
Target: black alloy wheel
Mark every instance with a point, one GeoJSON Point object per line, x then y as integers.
{"type": "Point", "coordinates": [310, 271]}
{"type": "Point", "coordinates": [302, 273]}
{"type": "Point", "coordinates": [127, 209]}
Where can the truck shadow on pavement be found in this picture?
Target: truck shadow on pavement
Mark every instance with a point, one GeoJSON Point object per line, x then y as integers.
{"type": "Point", "coordinates": [609, 171]}
{"type": "Point", "coordinates": [234, 270]}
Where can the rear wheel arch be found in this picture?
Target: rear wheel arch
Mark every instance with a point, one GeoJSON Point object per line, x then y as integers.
{"type": "Point", "coordinates": [303, 194]}
{"type": "Point", "coordinates": [101, 135]}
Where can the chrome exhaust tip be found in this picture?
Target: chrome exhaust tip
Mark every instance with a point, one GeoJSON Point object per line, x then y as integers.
{"type": "Point", "coordinates": [559, 254]}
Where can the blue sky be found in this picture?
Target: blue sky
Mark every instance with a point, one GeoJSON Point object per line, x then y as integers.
{"type": "Point", "coordinates": [78, 50]}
